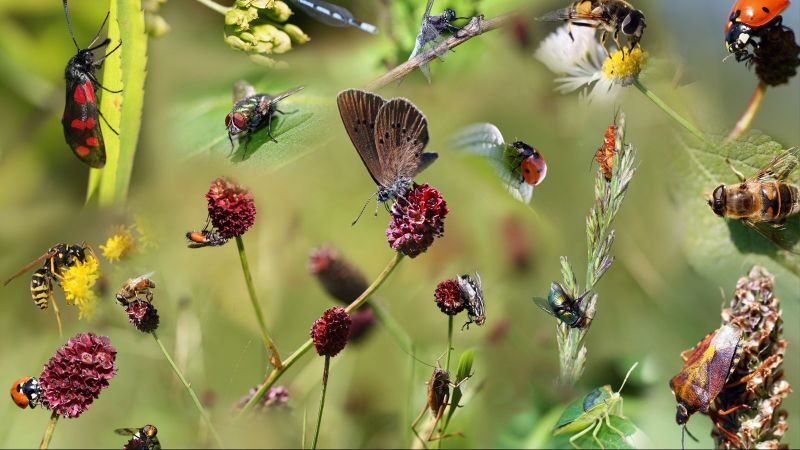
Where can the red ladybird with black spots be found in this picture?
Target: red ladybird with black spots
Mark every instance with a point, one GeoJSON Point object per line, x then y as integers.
{"type": "Point", "coordinates": [81, 111]}
{"type": "Point", "coordinates": [746, 19]}
{"type": "Point", "coordinates": [25, 392]}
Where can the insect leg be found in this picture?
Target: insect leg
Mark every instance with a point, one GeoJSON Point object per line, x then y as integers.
{"type": "Point", "coordinates": [597, 430]}
{"type": "Point", "coordinates": [612, 427]}
{"type": "Point", "coordinates": [577, 435]}
{"type": "Point", "coordinates": [748, 377]}
{"type": "Point", "coordinates": [603, 43]}
{"type": "Point", "coordinates": [100, 61]}
{"type": "Point", "coordinates": [416, 422]}
{"type": "Point", "coordinates": [269, 128]}
{"type": "Point", "coordinates": [731, 437]}
{"type": "Point", "coordinates": [107, 124]}
{"type": "Point", "coordinates": [97, 83]}
{"type": "Point", "coordinates": [569, 30]}
{"type": "Point", "coordinates": [436, 420]}
{"type": "Point", "coordinates": [740, 175]}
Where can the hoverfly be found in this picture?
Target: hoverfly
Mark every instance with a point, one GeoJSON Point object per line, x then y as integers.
{"type": "Point", "coordinates": [58, 258]}
{"type": "Point", "coordinates": [764, 199]}
{"type": "Point", "coordinates": [143, 438]}
{"type": "Point", "coordinates": [252, 111]}
{"type": "Point", "coordinates": [472, 292]}
{"type": "Point", "coordinates": [133, 288]}
{"type": "Point", "coordinates": [612, 16]}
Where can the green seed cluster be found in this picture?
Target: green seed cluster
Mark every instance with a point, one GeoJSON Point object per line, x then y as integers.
{"type": "Point", "coordinates": [260, 28]}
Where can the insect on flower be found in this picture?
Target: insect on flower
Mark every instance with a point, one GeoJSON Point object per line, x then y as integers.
{"type": "Point", "coordinates": [430, 31]}
{"type": "Point", "coordinates": [135, 287]}
{"type": "Point", "coordinates": [389, 136]}
{"type": "Point", "coordinates": [438, 399]}
{"type": "Point", "coordinates": [56, 259]}
{"type": "Point", "coordinates": [141, 438]}
{"type": "Point", "coordinates": [25, 392]}
{"type": "Point", "coordinates": [764, 201]}
{"type": "Point", "coordinates": [560, 305]}
{"type": "Point", "coordinates": [612, 16]}
{"type": "Point", "coordinates": [605, 154]}
{"type": "Point", "coordinates": [80, 120]}
{"type": "Point", "coordinates": [252, 111]}
{"type": "Point", "coordinates": [591, 411]}
{"type": "Point", "coordinates": [746, 21]}
{"type": "Point", "coordinates": [205, 238]}
{"type": "Point", "coordinates": [333, 15]}
{"type": "Point", "coordinates": [472, 293]}
{"type": "Point", "coordinates": [520, 166]}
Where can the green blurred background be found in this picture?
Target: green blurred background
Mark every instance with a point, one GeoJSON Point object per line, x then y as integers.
{"type": "Point", "coordinates": [653, 302]}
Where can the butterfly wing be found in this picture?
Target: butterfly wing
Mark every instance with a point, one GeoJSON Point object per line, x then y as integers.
{"type": "Point", "coordinates": [81, 124]}
{"type": "Point", "coordinates": [401, 134]}
{"type": "Point", "coordinates": [241, 90]}
{"type": "Point", "coordinates": [359, 111]}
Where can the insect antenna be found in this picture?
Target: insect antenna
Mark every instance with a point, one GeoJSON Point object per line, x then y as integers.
{"type": "Point", "coordinates": [102, 25]}
{"type": "Point", "coordinates": [364, 208]}
{"type": "Point", "coordinates": [627, 375]}
{"type": "Point", "coordinates": [685, 431]}
{"type": "Point", "coordinates": [69, 25]}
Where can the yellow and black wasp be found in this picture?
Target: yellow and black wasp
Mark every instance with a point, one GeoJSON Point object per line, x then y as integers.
{"type": "Point", "coordinates": [143, 438]}
{"type": "Point", "coordinates": [58, 258]}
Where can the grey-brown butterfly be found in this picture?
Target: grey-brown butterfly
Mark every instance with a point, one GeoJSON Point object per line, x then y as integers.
{"type": "Point", "coordinates": [390, 137]}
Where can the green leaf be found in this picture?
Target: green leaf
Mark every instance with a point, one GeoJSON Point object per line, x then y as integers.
{"type": "Point", "coordinates": [124, 69]}
{"type": "Point", "coordinates": [200, 127]}
{"type": "Point", "coordinates": [463, 372]}
{"type": "Point", "coordinates": [715, 245]}
{"type": "Point", "coordinates": [632, 436]}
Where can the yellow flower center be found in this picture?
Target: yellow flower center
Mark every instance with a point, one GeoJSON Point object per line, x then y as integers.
{"type": "Point", "coordinates": [118, 245]}
{"type": "Point", "coordinates": [625, 65]}
{"type": "Point", "coordinates": [77, 282]}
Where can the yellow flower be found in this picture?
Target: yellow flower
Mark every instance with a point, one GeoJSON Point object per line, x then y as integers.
{"type": "Point", "coordinates": [118, 245]}
{"type": "Point", "coordinates": [624, 65]}
{"type": "Point", "coordinates": [146, 238]}
{"type": "Point", "coordinates": [77, 282]}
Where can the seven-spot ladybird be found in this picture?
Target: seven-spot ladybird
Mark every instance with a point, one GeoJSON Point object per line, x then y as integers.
{"type": "Point", "coordinates": [25, 392]}
{"type": "Point", "coordinates": [745, 20]}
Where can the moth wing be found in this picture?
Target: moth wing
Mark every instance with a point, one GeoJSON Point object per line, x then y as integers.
{"type": "Point", "coordinates": [81, 123]}
{"type": "Point", "coordinates": [780, 166]}
{"type": "Point", "coordinates": [359, 111]}
{"type": "Point", "coordinates": [401, 134]}
{"type": "Point", "coordinates": [242, 90]}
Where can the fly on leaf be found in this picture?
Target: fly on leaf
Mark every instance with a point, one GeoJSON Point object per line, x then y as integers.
{"type": "Point", "coordinates": [252, 112]}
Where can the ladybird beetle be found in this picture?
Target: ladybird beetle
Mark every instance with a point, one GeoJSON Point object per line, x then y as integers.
{"type": "Point", "coordinates": [747, 17]}
{"type": "Point", "coordinates": [26, 392]}
{"type": "Point", "coordinates": [533, 167]}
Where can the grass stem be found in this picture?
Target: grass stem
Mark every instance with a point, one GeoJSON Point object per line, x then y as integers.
{"type": "Point", "coordinates": [321, 400]}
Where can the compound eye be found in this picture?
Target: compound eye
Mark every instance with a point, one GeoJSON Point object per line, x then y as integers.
{"type": "Point", "coordinates": [239, 121]}
{"type": "Point", "coordinates": [228, 121]}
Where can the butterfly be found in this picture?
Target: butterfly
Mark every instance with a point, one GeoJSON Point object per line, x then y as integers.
{"type": "Point", "coordinates": [389, 136]}
{"type": "Point", "coordinates": [519, 166]}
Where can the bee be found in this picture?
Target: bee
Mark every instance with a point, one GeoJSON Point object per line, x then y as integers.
{"type": "Point", "coordinates": [133, 288]}
{"type": "Point", "coordinates": [57, 259]}
{"type": "Point", "coordinates": [472, 290]}
{"type": "Point", "coordinates": [205, 238]}
{"type": "Point", "coordinates": [143, 438]}
{"type": "Point", "coordinates": [26, 392]}
{"type": "Point", "coordinates": [612, 16]}
{"type": "Point", "coordinates": [764, 199]}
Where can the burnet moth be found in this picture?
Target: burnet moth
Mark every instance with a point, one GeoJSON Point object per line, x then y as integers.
{"type": "Point", "coordinates": [81, 112]}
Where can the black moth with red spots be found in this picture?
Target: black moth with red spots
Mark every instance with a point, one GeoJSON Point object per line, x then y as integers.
{"type": "Point", "coordinates": [81, 113]}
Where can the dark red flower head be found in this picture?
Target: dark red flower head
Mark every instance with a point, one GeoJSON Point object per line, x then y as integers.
{"type": "Point", "coordinates": [143, 315]}
{"type": "Point", "coordinates": [230, 207]}
{"type": "Point", "coordinates": [76, 374]}
{"type": "Point", "coordinates": [330, 332]}
{"type": "Point", "coordinates": [275, 396]}
{"type": "Point", "coordinates": [777, 55]}
{"type": "Point", "coordinates": [448, 297]}
{"type": "Point", "coordinates": [340, 279]}
{"type": "Point", "coordinates": [417, 219]}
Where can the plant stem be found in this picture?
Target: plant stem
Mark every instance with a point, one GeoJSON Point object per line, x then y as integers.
{"type": "Point", "coordinates": [671, 112]}
{"type": "Point", "coordinates": [275, 357]}
{"type": "Point", "coordinates": [214, 6]}
{"type": "Point", "coordinates": [385, 318]}
{"type": "Point", "coordinates": [187, 385]}
{"type": "Point", "coordinates": [749, 113]}
{"type": "Point", "coordinates": [276, 373]}
{"type": "Point", "coordinates": [48, 432]}
{"type": "Point", "coordinates": [449, 342]}
{"type": "Point", "coordinates": [475, 27]}
{"type": "Point", "coordinates": [321, 400]}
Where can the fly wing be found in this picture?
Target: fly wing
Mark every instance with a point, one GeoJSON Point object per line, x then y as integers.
{"type": "Point", "coordinates": [781, 166]}
{"type": "Point", "coordinates": [774, 233]}
{"type": "Point", "coordinates": [81, 124]}
{"type": "Point", "coordinates": [401, 134]}
{"type": "Point", "coordinates": [333, 15]}
{"type": "Point", "coordinates": [126, 431]}
{"type": "Point", "coordinates": [428, 8]}
{"type": "Point", "coordinates": [544, 306]}
{"type": "Point", "coordinates": [285, 94]}
{"type": "Point", "coordinates": [359, 112]}
{"type": "Point", "coordinates": [241, 90]}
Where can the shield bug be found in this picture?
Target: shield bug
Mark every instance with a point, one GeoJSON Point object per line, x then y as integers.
{"type": "Point", "coordinates": [252, 112]}
{"type": "Point", "coordinates": [333, 15]}
{"type": "Point", "coordinates": [25, 392]}
{"type": "Point", "coordinates": [591, 411]}
{"type": "Point", "coordinates": [430, 30]}
{"type": "Point", "coordinates": [81, 113]}
{"type": "Point", "coordinates": [472, 293]}
{"type": "Point", "coordinates": [520, 166]}
{"type": "Point", "coordinates": [560, 305]}
{"type": "Point", "coordinates": [706, 369]}
{"type": "Point", "coordinates": [141, 438]}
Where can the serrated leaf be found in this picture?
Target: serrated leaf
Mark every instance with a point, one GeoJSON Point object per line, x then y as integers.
{"type": "Point", "coordinates": [201, 128]}
{"type": "Point", "coordinates": [713, 244]}
{"type": "Point", "coordinates": [632, 436]}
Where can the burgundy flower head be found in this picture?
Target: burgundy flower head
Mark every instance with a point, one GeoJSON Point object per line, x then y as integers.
{"type": "Point", "coordinates": [230, 207]}
{"type": "Point", "coordinates": [777, 55]}
{"type": "Point", "coordinates": [340, 279]}
{"type": "Point", "coordinates": [275, 397]}
{"type": "Point", "coordinates": [143, 315]}
{"type": "Point", "coordinates": [417, 219]}
{"type": "Point", "coordinates": [76, 374]}
{"type": "Point", "coordinates": [330, 332]}
{"type": "Point", "coordinates": [448, 297]}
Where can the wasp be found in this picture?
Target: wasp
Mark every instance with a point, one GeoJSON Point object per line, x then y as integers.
{"type": "Point", "coordinates": [143, 438]}
{"type": "Point", "coordinates": [612, 16]}
{"type": "Point", "coordinates": [764, 199]}
{"type": "Point", "coordinates": [57, 259]}
{"type": "Point", "coordinates": [133, 288]}
{"type": "Point", "coordinates": [205, 238]}
{"type": "Point", "coordinates": [472, 291]}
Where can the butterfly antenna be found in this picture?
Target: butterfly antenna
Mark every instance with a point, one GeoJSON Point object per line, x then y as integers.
{"type": "Point", "coordinates": [69, 25]}
{"type": "Point", "coordinates": [364, 208]}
